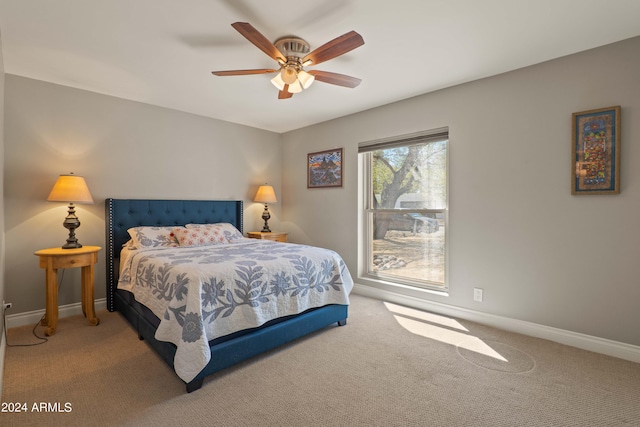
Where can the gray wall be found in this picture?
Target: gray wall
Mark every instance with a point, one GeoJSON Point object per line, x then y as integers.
{"type": "Point", "coordinates": [123, 149]}
{"type": "Point", "coordinates": [540, 254]}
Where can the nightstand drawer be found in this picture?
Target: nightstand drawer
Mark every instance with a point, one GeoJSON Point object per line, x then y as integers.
{"type": "Point", "coordinates": [69, 261]}
{"type": "Point", "coordinates": [277, 236]}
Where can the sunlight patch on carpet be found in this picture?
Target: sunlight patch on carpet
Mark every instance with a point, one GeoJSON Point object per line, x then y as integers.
{"type": "Point", "coordinates": [448, 336]}
{"type": "Point", "coordinates": [423, 315]}
{"type": "Point", "coordinates": [483, 353]}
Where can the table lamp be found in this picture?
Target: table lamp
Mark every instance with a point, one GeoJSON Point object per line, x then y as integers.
{"type": "Point", "coordinates": [71, 189]}
{"type": "Point", "coordinates": [265, 195]}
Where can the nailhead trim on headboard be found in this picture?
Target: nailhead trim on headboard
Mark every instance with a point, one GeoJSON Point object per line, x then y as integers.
{"type": "Point", "coordinates": [110, 261]}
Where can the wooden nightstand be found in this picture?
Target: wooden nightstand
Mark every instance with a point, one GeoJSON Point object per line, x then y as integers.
{"type": "Point", "coordinates": [54, 258]}
{"type": "Point", "coordinates": [278, 236]}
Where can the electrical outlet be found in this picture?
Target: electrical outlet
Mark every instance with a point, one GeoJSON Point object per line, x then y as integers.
{"type": "Point", "coordinates": [477, 294]}
{"type": "Point", "coordinates": [7, 305]}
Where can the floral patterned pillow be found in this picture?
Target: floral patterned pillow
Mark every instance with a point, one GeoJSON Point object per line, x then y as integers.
{"type": "Point", "coordinates": [153, 237]}
{"type": "Point", "coordinates": [228, 230]}
{"type": "Point", "coordinates": [200, 236]}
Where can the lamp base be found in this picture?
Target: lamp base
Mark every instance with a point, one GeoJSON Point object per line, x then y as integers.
{"type": "Point", "coordinates": [266, 216]}
{"type": "Point", "coordinates": [71, 222]}
{"type": "Point", "coordinates": [71, 245]}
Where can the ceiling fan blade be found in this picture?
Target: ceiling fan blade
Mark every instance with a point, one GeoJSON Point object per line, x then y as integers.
{"type": "Point", "coordinates": [336, 47]}
{"type": "Point", "coordinates": [335, 78]}
{"type": "Point", "coordinates": [260, 41]}
{"type": "Point", "coordinates": [243, 72]}
{"type": "Point", "coordinates": [284, 93]}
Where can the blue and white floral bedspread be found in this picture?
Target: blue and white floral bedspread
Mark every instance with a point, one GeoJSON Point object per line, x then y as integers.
{"type": "Point", "coordinates": [207, 292]}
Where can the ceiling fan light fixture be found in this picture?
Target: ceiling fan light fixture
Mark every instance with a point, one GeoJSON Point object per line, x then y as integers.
{"type": "Point", "coordinates": [305, 79]}
{"type": "Point", "coordinates": [295, 87]}
{"type": "Point", "coordinates": [289, 75]}
{"type": "Point", "coordinates": [278, 82]}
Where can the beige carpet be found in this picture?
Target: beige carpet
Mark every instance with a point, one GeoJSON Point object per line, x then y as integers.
{"type": "Point", "coordinates": [387, 367]}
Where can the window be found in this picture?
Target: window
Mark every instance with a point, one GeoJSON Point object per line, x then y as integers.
{"type": "Point", "coordinates": [405, 215]}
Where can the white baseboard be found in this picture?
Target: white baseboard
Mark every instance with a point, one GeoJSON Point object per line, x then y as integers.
{"type": "Point", "coordinates": [574, 339]}
{"type": "Point", "coordinates": [33, 317]}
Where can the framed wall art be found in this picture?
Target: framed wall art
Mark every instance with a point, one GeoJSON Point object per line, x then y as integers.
{"type": "Point", "coordinates": [324, 169]}
{"type": "Point", "coordinates": [595, 159]}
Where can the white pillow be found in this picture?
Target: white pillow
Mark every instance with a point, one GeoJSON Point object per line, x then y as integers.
{"type": "Point", "coordinates": [153, 237]}
{"type": "Point", "coordinates": [228, 230]}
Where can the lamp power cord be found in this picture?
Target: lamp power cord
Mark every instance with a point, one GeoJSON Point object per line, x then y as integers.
{"type": "Point", "coordinates": [33, 331]}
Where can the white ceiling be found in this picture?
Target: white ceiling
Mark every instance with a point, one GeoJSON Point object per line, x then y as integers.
{"type": "Point", "coordinates": [162, 52]}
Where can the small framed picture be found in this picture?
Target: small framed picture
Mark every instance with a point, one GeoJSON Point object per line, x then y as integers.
{"type": "Point", "coordinates": [595, 159]}
{"type": "Point", "coordinates": [324, 169]}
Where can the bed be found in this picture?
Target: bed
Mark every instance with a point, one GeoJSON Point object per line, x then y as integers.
{"type": "Point", "coordinates": [253, 316]}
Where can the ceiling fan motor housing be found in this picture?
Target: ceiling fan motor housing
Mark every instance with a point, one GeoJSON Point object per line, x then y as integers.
{"type": "Point", "coordinates": [293, 48]}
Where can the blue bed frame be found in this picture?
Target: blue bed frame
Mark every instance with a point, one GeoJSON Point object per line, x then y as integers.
{"type": "Point", "coordinates": [122, 214]}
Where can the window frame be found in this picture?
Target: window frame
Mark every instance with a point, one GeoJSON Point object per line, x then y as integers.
{"type": "Point", "coordinates": [365, 150]}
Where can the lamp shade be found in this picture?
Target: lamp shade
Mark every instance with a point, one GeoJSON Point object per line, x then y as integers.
{"type": "Point", "coordinates": [289, 75]}
{"type": "Point", "coordinates": [265, 194]}
{"type": "Point", "coordinates": [305, 79]}
{"type": "Point", "coordinates": [71, 189]}
{"type": "Point", "coordinates": [278, 82]}
{"type": "Point", "coordinates": [295, 87]}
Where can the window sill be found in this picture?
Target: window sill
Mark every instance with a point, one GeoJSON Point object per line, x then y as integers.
{"type": "Point", "coordinates": [407, 289]}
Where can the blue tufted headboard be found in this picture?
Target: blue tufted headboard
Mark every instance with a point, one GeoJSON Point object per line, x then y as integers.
{"type": "Point", "coordinates": [122, 214]}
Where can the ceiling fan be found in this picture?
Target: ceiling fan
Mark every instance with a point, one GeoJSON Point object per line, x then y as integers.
{"type": "Point", "coordinates": [293, 54]}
